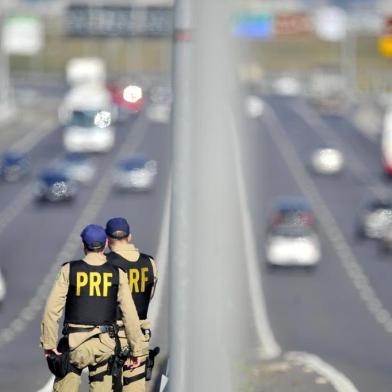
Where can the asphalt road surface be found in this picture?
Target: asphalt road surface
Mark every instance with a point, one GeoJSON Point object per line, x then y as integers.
{"type": "Point", "coordinates": [35, 239]}
{"type": "Point", "coordinates": [340, 312]}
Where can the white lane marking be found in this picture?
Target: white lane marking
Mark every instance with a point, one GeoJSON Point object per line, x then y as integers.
{"type": "Point", "coordinates": [339, 381]}
{"type": "Point", "coordinates": [32, 138]}
{"type": "Point", "coordinates": [162, 258]}
{"type": "Point", "coordinates": [164, 382]}
{"type": "Point", "coordinates": [328, 134]}
{"type": "Point", "coordinates": [329, 224]}
{"type": "Point", "coordinates": [15, 207]}
{"type": "Point", "coordinates": [48, 387]}
{"type": "Point", "coordinates": [25, 195]}
{"type": "Point", "coordinates": [269, 346]}
{"type": "Point", "coordinates": [94, 206]}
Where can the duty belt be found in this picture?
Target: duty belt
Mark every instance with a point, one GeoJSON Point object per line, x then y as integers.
{"type": "Point", "coordinates": [112, 329]}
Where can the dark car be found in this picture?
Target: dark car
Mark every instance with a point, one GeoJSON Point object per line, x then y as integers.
{"type": "Point", "coordinates": [135, 173]}
{"type": "Point", "coordinates": [292, 210]}
{"type": "Point", "coordinates": [55, 186]}
{"type": "Point", "coordinates": [375, 218]}
{"type": "Point", "coordinates": [14, 166]}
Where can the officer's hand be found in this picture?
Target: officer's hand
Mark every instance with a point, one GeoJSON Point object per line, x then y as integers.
{"type": "Point", "coordinates": [48, 352]}
{"type": "Point", "coordinates": [132, 363]}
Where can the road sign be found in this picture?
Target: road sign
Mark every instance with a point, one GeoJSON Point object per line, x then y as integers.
{"type": "Point", "coordinates": [22, 35]}
{"type": "Point", "coordinates": [253, 25]}
{"type": "Point", "coordinates": [330, 23]}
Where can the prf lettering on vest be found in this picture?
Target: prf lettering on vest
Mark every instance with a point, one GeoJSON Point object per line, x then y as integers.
{"type": "Point", "coordinates": [138, 279]}
{"type": "Point", "coordinates": [98, 284]}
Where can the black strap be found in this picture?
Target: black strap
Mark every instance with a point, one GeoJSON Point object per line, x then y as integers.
{"type": "Point", "coordinates": [92, 368]}
{"type": "Point", "coordinates": [97, 377]}
{"type": "Point", "coordinates": [129, 380]}
{"type": "Point", "coordinates": [77, 329]}
{"type": "Point", "coordinates": [75, 369]}
{"type": "Point", "coordinates": [103, 329]}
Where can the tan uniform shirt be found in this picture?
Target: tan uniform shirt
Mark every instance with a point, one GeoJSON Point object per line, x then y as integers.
{"type": "Point", "coordinates": [56, 302]}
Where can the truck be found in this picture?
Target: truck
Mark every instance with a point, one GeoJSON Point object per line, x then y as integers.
{"type": "Point", "coordinates": [78, 114]}
{"type": "Point", "coordinates": [85, 70]}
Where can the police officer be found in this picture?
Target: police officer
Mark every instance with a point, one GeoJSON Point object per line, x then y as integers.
{"type": "Point", "coordinates": [90, 290]}
{"type": "Point", "coordinates": [142, 276]}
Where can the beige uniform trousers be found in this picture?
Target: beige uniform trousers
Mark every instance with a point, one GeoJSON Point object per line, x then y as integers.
{"type": "Point", "coordinates": [91, 352]}
{"type": "Point", "coordinates": [139, 385]}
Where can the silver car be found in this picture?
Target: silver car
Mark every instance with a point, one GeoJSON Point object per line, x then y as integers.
{"type": "Point", "coordinates": [136, 173]}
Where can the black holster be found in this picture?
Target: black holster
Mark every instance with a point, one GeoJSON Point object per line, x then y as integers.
{"type": "Point", "coordinates": [59, 365]}
{"type": "Point", "coordinates": [150, 361]}
{"type": "Point", "coordinates": [116, 362]}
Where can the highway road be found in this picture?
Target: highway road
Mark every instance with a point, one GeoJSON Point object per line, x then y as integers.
{"type": "Point", "coordinates": [35, 239]}
{"type": "Point", "coordinates": [341, 312]}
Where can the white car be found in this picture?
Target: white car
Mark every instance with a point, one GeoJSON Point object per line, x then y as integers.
{"type": "Point", "coordinates": [136, 174]}
{"type": "Point", "coordinates": [293, 245]}
{"type": "Point", "coordinates": [327, 160]}
{"type": "Point", "coordinates": [288, 86]}
{"type": "Point", "coordinates": [254, 106]}
{"type": "Point", "coordinates": [77, 167]}
{"type": "Point", "coordinates": [159, 112]}
{"type": "Point", "coordinates": [2, 287]}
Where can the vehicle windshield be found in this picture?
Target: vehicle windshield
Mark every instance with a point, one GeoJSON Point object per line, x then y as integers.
{"type": "Point", "coordinates": [292, 231]}
{"type": "Point", "coordinates": [83, 118]}
{"type": "Point", "coordinates": [132, 164]}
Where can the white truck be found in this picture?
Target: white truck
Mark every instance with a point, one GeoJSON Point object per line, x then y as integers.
{"type": "Point", "coordinates": [85, 70]}
{"type": "Point", "coordinates": [78, 113]}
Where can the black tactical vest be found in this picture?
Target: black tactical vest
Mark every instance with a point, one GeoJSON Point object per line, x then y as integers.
{"type": "Point", "coordinates": [92, 294]}
{"type": "Point", "coordinates": [141, 280]}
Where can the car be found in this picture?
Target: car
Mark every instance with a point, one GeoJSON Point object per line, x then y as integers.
{"type": "Point", "coordinates": [327, 160]}
{"type": "Point", "coordinates": [375, 218]}
{"type": "Point", "coordinates": [14, 166]}
{"type": "Point", "coordinates": [55, 186]}
{"type": "Point", "coordinates": [386, 240]}
{"type": "Point", "coordinates": [3, 288]}
{"type": "Point", "coordinates": [290, 244]}
{"type": "Point", "coordinates": [292, 210]}
{"type": "Point", "coordinates": [88, 116]}
{"type": "Point", "coordinates": [126, 96]}
{"type": "Point", "coordinates": [287, 85]}
{"type": "Point", "coordinates": [159, 112]}
{"type": "Point", "coordinates": [77, 167]}
{"type": "Point", "coordinates": [136, 173]}
{"type": "Point", "coordinates": [254, 106]}
{"type": "Point", "coordinates": [160, 103]}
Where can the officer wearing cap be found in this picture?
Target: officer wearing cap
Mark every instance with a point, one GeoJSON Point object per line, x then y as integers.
{"type": "Point", "coordinates": [90, 289]}
{"type": "Point", "coordinates": [142, 276]}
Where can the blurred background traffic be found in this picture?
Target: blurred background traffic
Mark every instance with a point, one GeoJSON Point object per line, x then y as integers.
{"type": "Point", "coordinates": [87, 102]}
